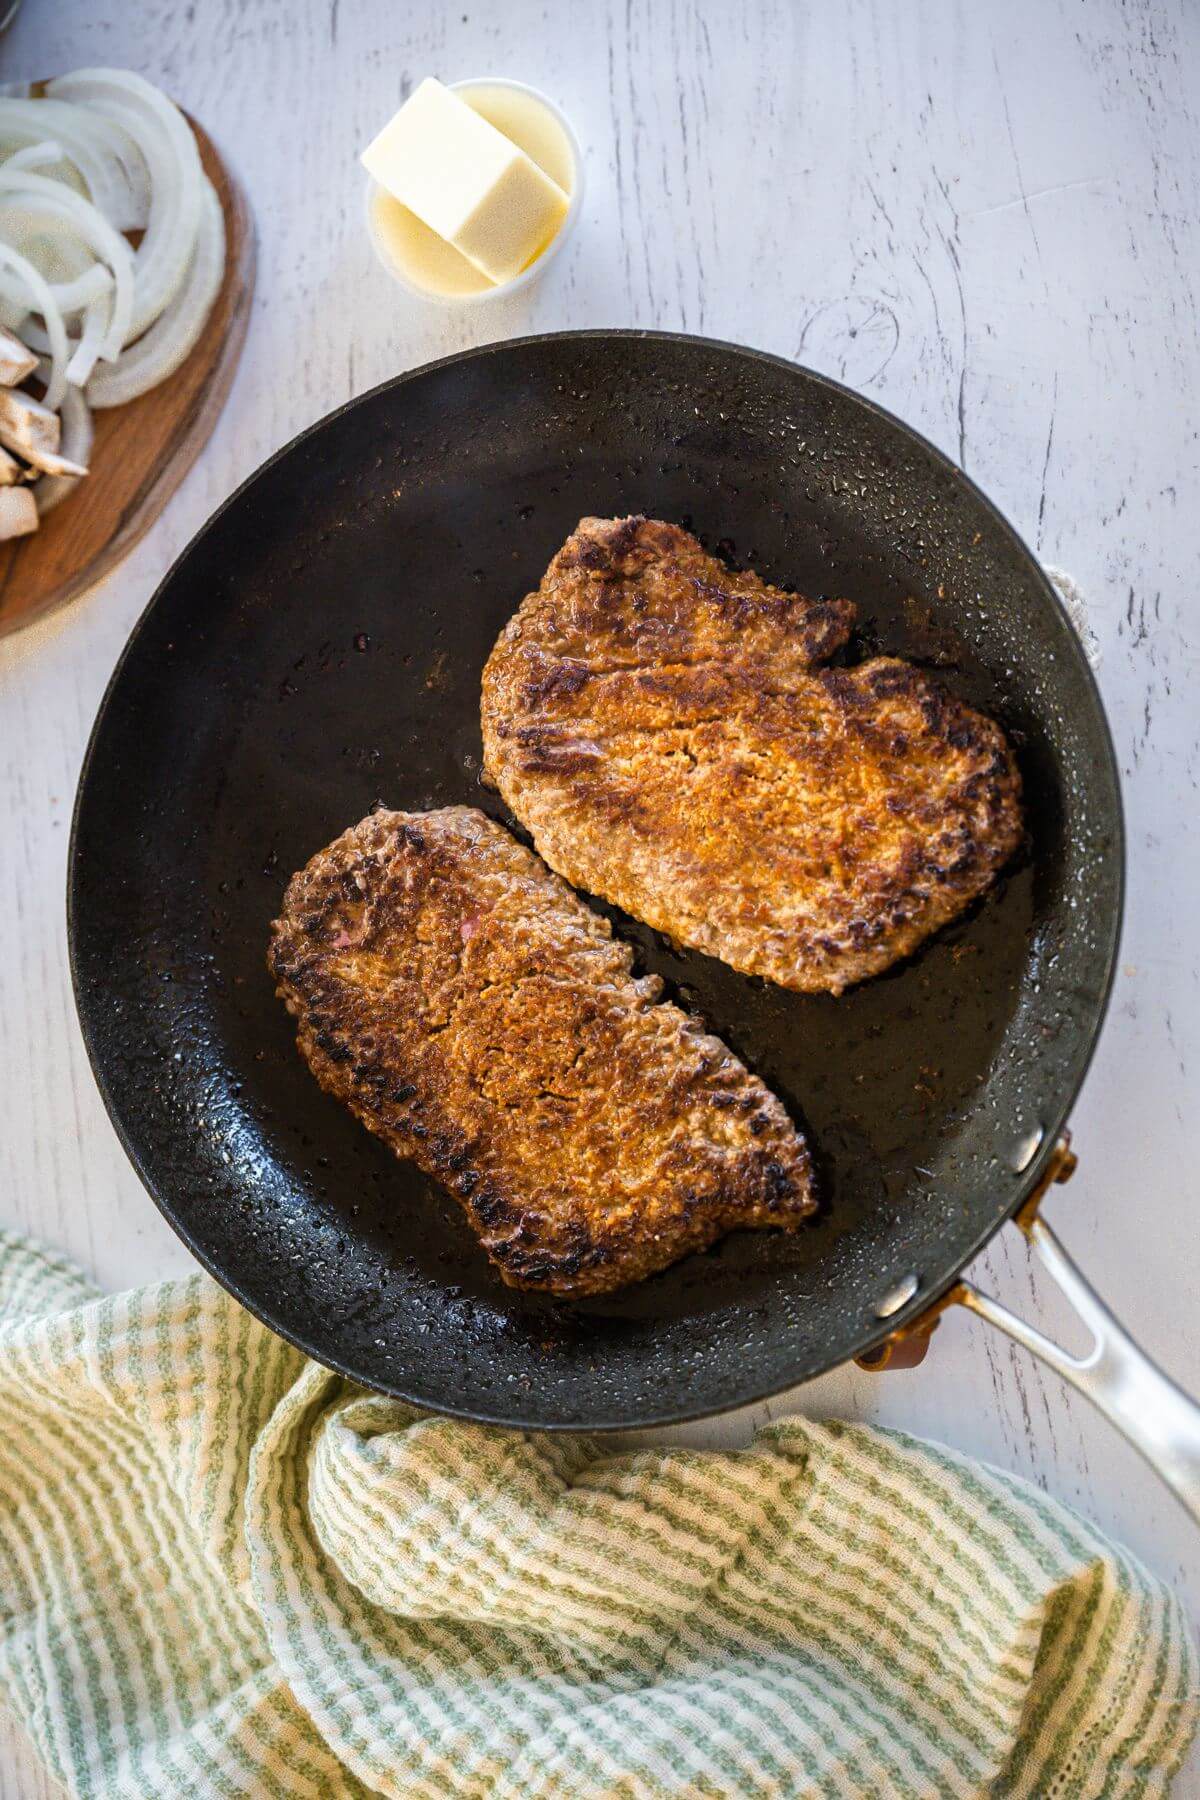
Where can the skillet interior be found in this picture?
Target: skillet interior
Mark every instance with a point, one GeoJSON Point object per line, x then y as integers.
{"type": "Point", "coordinates": [318, 649]}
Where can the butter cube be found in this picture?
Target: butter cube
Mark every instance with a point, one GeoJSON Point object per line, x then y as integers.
{"type": "Point", "coordinates": [466, 181]}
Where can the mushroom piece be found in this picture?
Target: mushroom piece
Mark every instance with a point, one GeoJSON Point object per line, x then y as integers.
{"type": "Point", "coordinates": [32, 430]}
{"type": "Point", "coordinates": [27, 426]}
{"type": "Point", "coordinates": [10, 469]}
{"type": "Point", "coordinates": [16, 359]}
{"type": "Point", "coordinates": [51, 463]}
{"type": "Point", "coordinates": [18, 512]}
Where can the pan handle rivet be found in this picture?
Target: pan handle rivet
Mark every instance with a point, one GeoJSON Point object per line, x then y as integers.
{"type": "Point", "coordinates": [897, 1296]}
{"type": "Point", "coordinates": [1027, 1148]}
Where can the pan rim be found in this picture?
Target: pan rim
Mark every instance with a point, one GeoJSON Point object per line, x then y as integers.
{"type": "Point", "coordinates": [925, 1296]}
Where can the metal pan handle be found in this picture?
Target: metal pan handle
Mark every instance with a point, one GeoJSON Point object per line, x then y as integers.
{"type": "Point", "coordinates": [1157, 1417]}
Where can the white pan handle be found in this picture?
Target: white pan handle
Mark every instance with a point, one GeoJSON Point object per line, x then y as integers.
{"type": "Point", "coordinates": [1157, 1417]}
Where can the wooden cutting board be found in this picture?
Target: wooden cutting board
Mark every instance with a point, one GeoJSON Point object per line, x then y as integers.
{"type": "Point", "coordinates": [142, 451]}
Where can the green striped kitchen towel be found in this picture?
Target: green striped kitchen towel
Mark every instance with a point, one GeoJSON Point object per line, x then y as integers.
{"type": "Point", "coordinates": [224, 1571]}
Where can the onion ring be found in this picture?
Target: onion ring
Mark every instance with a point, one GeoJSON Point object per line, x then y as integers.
{"type": "Point", "coordinates": [106, 159]}
{"type": "Point", "coordinates": [168, 145]}
{"type": "Point", "coordinates": [91, 224]}
{"type": "Point", "coordinates": [36, 156]}
{"type": "Point", "coordinates": [83, 357]}
{"type": "Point", "coordinates": [45, 303]}
{"type": "Point", "coordinates": [69, 296]}
{"type": "Point", "coordinates": [173, 335]}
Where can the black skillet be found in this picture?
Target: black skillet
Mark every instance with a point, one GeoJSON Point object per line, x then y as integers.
{"type": "Point", "coordinates": [317, 649]}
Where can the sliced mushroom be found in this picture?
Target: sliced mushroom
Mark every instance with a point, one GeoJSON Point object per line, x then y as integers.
{"type": "Point", "coordinates": [16, 359]}
{"type": "Point", "coordinates": [51, 463]}
{"type": "Point", "coordinates": [10, 469]}
{"type": "Point", "coordinates": [18, 512]}
{"type": "Point", "coordinates": [29, 428]}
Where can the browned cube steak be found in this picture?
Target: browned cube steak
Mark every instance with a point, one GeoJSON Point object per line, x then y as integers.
{"type": "Point", "coordinates": [482, 1020]}
{"type": "Point", "coordinates": [661, 726]}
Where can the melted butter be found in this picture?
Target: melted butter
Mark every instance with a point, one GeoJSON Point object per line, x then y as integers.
{"type": "Point", "coordinates": [427, 261]}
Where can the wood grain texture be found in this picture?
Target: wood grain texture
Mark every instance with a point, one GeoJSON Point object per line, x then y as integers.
{"type": "Point", "coordinates": [143, 450]}
{"type": "Point", "coordinates": [986, 219]}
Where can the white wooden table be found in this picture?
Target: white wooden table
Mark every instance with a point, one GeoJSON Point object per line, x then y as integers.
{"type": "Point", "coordinates": [987, 218]}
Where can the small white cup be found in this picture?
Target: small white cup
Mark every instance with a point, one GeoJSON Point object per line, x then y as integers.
{"type": "Point", "coordinates": [501, 289]}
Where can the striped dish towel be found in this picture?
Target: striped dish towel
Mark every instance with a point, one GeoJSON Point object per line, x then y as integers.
{"type": "Point", "coordinates": [225, 1571]}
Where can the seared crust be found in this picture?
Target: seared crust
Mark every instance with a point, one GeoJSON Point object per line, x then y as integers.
{"type": "Point", "coordinates": [474, 1014]}
{"type": "Point", "coordinates": [662, 728]}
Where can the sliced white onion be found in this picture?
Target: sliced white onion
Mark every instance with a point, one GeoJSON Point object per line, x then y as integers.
{"type": "Point", "coordinates": [35, 156]}
{"type": "Point", "coordinates": [166, 141]}
{"type": "Point", "coordinates": [90, 281]}
{"type": "Point", "coordinates": [103, 153]}
{"type": "Point", "coordinates": [57, 253]}
{"type": "Point", "coordinates": [54, 251]}
{"type": "Point", "coordinates": [159, 352]}
{"type": "Point", "coordinates": [70, 297]}
{"type": "Point", "coordinates": [97, 148]}
{"type": "Point", "coordinates": [106, 157]}
{"type": "Point", "coordinates": [44, 302]}
{"type": "Point", "coordinates": [83, 356]}
{"type": "Point", "coordinates": [125, 172]}
{"type": "Point", "coordinates": [76, 446]}
{"type": "Point", "coordinates": [91, 225]}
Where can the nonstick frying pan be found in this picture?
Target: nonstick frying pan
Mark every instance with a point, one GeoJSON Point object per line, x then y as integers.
{"type": "Point", "coordinates": [317, 650]}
